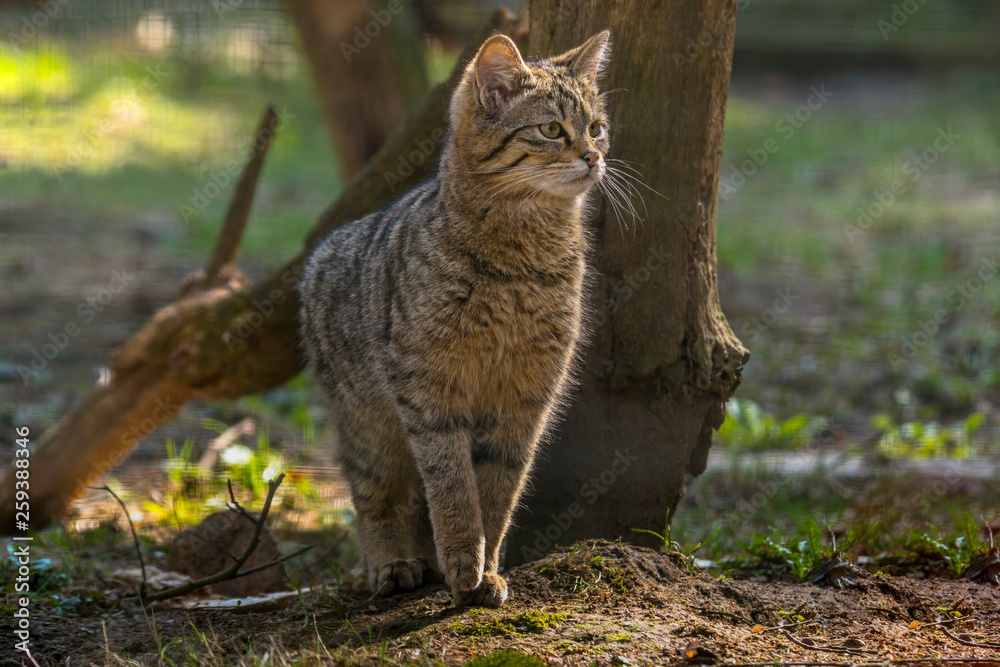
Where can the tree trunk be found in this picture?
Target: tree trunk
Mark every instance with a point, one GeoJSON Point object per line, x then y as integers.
{"type": "Point", "coordinates": [367, 66]}
{"type": "Point", "coordinates": [661, 360]}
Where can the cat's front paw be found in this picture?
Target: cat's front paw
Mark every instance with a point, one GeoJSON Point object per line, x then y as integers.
{"type": "Point", "coordinates": [464, 571]}
{"type": "Point", "coordinates": [397, 576]}
{"type": "Point", "coordinates": [491, 592]}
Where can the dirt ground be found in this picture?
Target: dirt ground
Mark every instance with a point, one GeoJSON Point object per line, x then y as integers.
{"type": "Point", "coordinates": [596, 603]}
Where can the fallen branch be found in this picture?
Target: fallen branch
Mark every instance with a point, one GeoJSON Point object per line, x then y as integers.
{"type": "Point", "coordinates": [230, 572]}
{"type": "Point", "coordinates": [814, 647]}
{"type": "Point", "coordinates": [219, 444]}
{"type": "Point", "coordinates": [967, 642]}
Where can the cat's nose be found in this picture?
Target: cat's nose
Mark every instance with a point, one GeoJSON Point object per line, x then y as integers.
{"type": "Point", "coordinates": [590, 157]}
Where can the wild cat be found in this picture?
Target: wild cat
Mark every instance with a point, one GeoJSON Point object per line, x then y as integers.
{"type": "Point", "coordinates": [443, 327]}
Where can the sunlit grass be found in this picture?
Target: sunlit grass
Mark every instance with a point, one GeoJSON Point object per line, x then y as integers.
{"type": "Point", "coordinates": [867, 285]}
{"type": "Point", "coordinates": [37, 77]}
{"type": "Point", "coordinates": [127, 137]}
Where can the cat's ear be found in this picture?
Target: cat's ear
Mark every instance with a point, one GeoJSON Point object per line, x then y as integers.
{"type": "Point", "coordinates": [499, 71]}
{"type": "Point", "coordinates": [589, 59]}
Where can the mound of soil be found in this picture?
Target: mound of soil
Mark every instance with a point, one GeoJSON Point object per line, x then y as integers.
{"type": "Point", "coordinates": [595, 603]}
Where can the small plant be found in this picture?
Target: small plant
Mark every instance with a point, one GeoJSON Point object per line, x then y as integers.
{"type": "Point", "coordinates": [748, 428]}
{"type": "Point", "coordinates": [799, 557]}
{"type": "Point", "coordinates": [917, 440]}
{"type": "Point", "coordinates": [956, 550]}
{"type": "Point", "coordinates": [672, 548]}
{"type": "Point", "coordinates": [192, 491]}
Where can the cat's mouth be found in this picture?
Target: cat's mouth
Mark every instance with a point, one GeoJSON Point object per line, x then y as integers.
{"type": "Point", "coordinates": [574, 184]}
{"type": "Point", "coordinates": [587, 178]}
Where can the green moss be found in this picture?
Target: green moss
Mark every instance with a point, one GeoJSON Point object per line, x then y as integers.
{"type": "Point", "coordinates": [505, 659]}
{"type": "Point", "coordinates": [494, 628]}
{"type": "Point", "coordinates": [536, 621]}
{"type": "Point", "coordinates": [530, 621]}
{"type": "Point", "coordinates": [618, 637]}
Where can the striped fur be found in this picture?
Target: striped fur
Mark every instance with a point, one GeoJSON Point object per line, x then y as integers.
{"type": "Point", "coordinates": [443, 327]}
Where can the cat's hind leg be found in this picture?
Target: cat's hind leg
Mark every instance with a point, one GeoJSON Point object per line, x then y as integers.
{"type": "Point", "coordinates": [382, 478]}
{"type": "Point", "coordinates": [423, 548]}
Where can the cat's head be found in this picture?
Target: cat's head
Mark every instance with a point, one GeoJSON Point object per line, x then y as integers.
{"type": "Point", "coordinates": [535, 128]}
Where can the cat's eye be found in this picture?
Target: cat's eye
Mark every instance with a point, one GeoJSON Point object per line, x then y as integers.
{"type": "Point", "coordinates": [596, 128]}
{"type": "Point", "coordinates": [550, 130]}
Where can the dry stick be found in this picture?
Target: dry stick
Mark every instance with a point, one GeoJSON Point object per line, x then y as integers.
{"type": "Point", "coordinates": [967, 642]}
{"type": "Point", "coordinates": [239, 206]}
{"type": "Point", "coordinates": [244, 427]}
{"type": "Point", "coordinates": [947, 621]}
{"type": "Point", "coordinates": [273, 562]}
{"type": "Point", "coordinates": [135, 537]}
{"type": "Point", "coordinates": [231, 572]}
{"type": "Point", "coordinates": [234, 504]}
{"type": "Point", "coordinates": [813, 647]}
{"type": "Point", "coordinates": [787, 625]}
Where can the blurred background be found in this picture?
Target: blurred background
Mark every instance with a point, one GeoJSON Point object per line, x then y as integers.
{"type": "Point", "coordinates": [858, 233]}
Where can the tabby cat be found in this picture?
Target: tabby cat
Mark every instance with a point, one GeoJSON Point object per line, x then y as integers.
{"type": "Point", "coordinates": [443, 327]}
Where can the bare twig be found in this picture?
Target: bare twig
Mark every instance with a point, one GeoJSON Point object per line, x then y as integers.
{"type": "Point", "coordinates": [232, 572]}
{"type": "Point", "coordinates": [234, 504]}
{"type": "Point", "coordinates": [947, 621]}
{"type": "Point", "coordinates": [244, 427]}
{"type": "Point", "coordinates": [273, 562]}
{"type": "Point", "coordinates": [813, 647]}
{"type": "Point", "coordinates": [966, 642]}
{"type": "Point", "coordinates": [135, 537]}
{"type": "Point", "coordinates": [228, 244]}
{"type": "Point", "coordinates": [787, 625]}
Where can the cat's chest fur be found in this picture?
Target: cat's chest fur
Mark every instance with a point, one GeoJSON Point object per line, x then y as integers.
{"type": "Point", "coordinates": [502, 328]}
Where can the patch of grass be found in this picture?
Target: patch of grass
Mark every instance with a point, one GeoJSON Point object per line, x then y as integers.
{"type": "Point", "coordinates": [99, 140]}
{"type": "Point", "coordinates": [192, 491]}
{"type": "Point", "coordinates": [791, 227]}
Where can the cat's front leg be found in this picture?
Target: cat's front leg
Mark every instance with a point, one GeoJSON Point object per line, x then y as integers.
{"type": "Point", "coordinates": [502, 453]}
{"type": "Point", "coordinates": [442, 451]}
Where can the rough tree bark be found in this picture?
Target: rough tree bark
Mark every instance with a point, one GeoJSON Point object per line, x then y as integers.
{"type": "Point", "coordinates": [662, 360]}
{"type": "Point", "coordinates": [367, 67]}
